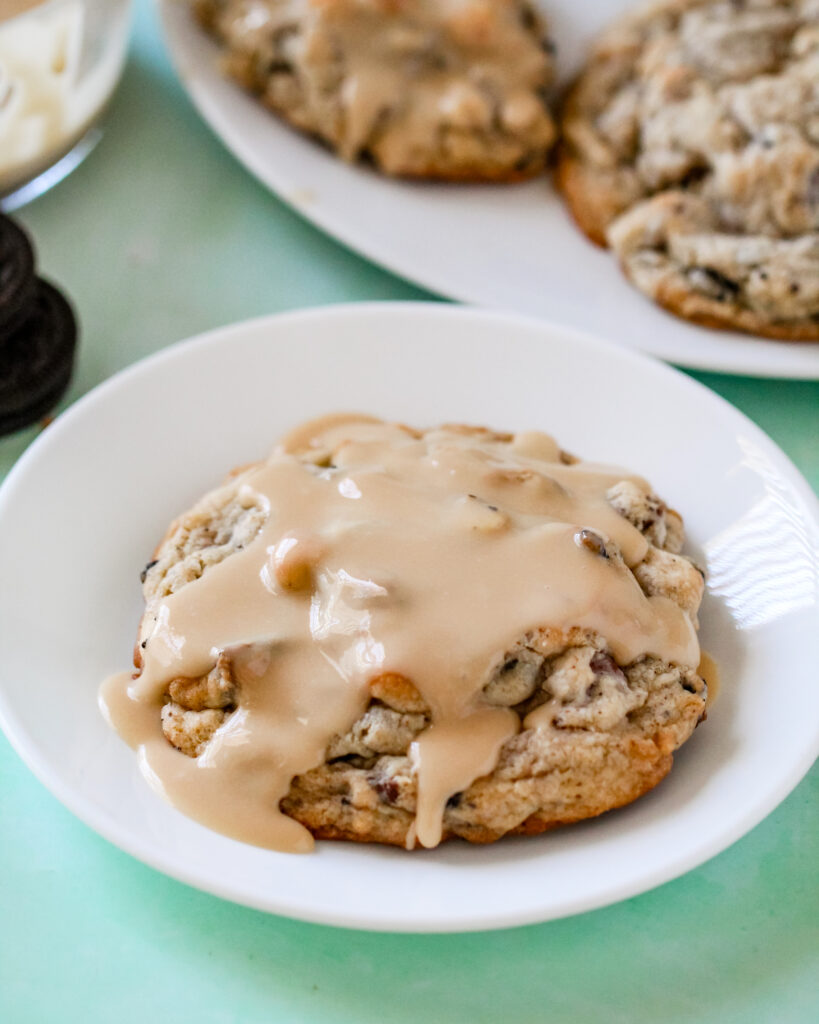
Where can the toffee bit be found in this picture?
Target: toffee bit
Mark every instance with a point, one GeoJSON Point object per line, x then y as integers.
{"type": "Point", "coordinates": [591, 541]}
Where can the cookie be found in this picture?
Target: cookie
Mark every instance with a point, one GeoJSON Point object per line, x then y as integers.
{"type": "Point", "coordinates": [403, 614]}
{"type": "Point", "coordinates": [16, 274]}
{"type": "Point", "coordinates": [442, 89]}
{"type": "Point", "coordinates": [691, 148]}
{"type": "Point", "coordinates": [36, 359]}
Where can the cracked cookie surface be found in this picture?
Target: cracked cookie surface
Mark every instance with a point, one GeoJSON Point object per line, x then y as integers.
{"type": "Point", "coordinates": [447, 89]}
{"type": "Point", "coordinates": [691, 148]}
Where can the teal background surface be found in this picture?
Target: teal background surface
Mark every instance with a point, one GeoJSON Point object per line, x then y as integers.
{"type": "Point", "coordinates": [161, 235]}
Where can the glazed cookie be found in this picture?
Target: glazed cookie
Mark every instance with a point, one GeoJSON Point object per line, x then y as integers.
{"type": "Point", "coordinates": [606, 736]}
{"type": "Point", "coordinates": [691, 147]}
{"type": "Point", "coordinates": [468, 633]}
{"type": "Point", "coordinates": [447, 89]}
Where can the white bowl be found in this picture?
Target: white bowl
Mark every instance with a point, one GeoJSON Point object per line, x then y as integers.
{"type": "Point", "coordinates": [60, 61]}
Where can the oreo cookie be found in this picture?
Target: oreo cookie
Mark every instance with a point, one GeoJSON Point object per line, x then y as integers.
{"type": "Point", "coordinates": [36, 358]}
{"type": "Point", "coordinates": [17, 280]}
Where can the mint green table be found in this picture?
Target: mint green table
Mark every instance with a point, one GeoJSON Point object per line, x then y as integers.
{"type": "Point", "coordinates": [160, 235]}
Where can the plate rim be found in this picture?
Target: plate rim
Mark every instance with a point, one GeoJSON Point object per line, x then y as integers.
{"type": "Point", "coordinates": [196, 87]}
{"type": "Point", "coordinates": [27, 749]}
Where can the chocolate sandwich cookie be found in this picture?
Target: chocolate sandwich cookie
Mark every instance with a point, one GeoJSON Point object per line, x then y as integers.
{"type": "Point", "coordinates": [36, 359]}
{"type": "Point", "coordinates": [17, 279]}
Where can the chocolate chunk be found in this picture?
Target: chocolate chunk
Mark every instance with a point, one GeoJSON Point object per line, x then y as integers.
{"type": "Point", "coordinates": [36, 359]}
{"type": "Point", "coordinates": [604, 665]}
{"type": "Point", "coordinates": [813, 188]}
{"type": "Point", "coordinates": [591, 541]}
{"type": "Point", "coordinates": [713, 284]}
{"type": "Point", "coordinates": [694, 175]}
{"type": "Point", "coordinates": [146, 570]}
{"type": "Point", "coordinates": [387, 788]}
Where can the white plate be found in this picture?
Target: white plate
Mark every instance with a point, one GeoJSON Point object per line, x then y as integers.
{"type": "Point", "coordinates": [505, 247]}
{"type": "Point", "coordinates": [82, 510]}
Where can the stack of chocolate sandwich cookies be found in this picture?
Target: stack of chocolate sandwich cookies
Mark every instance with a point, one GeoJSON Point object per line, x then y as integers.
{"type": "Point", "coordinates": [38, 335]}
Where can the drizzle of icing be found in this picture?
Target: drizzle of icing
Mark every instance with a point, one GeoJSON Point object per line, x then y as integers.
{"type": "Point", "coordinates": [385, 551]}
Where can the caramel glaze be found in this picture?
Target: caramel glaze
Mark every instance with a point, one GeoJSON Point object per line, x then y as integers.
{"type": "Point", "coordinates": [424, 555]}
{"type": "Point", "coordinates": [404, 77]}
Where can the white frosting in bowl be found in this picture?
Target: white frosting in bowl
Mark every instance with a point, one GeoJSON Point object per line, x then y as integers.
{"type": "Point", "coordinates": [59, 63]}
